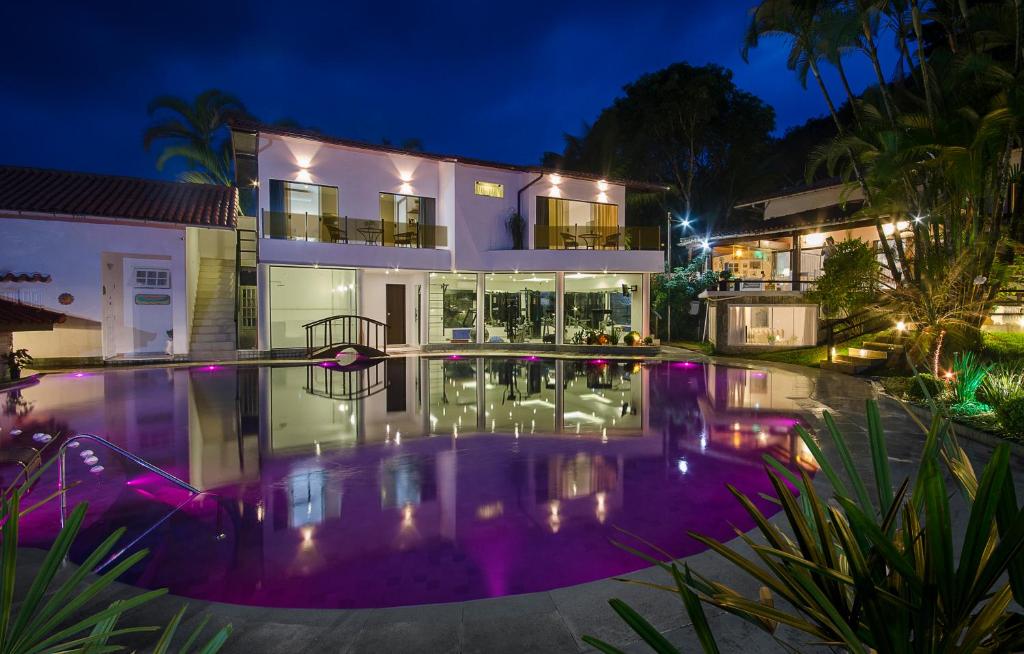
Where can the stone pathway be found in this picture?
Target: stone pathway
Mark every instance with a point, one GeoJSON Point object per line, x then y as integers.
{"type": "Point", "coordinates": [553, 621]}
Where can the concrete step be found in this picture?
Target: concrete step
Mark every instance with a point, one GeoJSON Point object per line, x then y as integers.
{"type": "Point", "coordinates": [218, 328]}
{"type": "Point", "coordinates": [866, 354]}
{"type": "Point", "coordinates": [894, 348]}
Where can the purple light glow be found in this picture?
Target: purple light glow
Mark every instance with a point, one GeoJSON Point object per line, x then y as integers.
{"type": "Point", "coordinates": [219, 545]}
{"type": "Point", "coordinates": [79, 375]}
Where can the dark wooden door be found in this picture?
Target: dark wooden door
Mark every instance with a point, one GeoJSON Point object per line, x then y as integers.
{"type": "Point", "coordinates": [396, 314]}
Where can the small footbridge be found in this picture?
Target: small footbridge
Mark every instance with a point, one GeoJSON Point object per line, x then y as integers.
{"type": "Point", "coordinates": [329, 336]}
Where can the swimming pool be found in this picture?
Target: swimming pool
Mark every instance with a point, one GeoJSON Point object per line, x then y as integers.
{"type": "Point", "coordinates": [418, 480]}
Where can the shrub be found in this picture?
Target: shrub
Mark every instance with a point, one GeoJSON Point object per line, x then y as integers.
{"type": "Point", "coordinates": [931, 383]}
{"type": "Point", "coordinates": [1011, 416]}
{"type": "Point", "coordinates": [1003, 383]}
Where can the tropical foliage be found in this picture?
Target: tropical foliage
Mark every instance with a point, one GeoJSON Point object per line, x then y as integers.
{"type": "Point", "coordinates": [194, 135]}
{"type": "Point", "coordinates": [55, 614]}
{"type": "Point", "coordinates": [874, 568]}
{"type": "Point", "coordinates": [680, 286]}
{"type": "Point", "coordinates": [849, 279]}
{"type": "Point", "coordinates": [929, 149]}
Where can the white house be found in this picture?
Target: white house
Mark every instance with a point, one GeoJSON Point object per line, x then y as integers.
{"type": "Point", "coordinates": [422, 242]}
{"type": "Point", "coordinates": [118, 257]}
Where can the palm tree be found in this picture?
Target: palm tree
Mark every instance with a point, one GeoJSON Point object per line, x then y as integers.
{"type": "Point", "coordinates": [800, 22]}
{"type": "Point", "coordinates": [193, 133]}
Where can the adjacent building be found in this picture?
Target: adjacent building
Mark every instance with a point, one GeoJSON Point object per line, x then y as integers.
{"type": "Point", "coordinates": [116, 258]}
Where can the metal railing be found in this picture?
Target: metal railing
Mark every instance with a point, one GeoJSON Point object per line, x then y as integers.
{"type": "Point", "coordinates": [734, 284]}
{"type": "Point", "coordinates": [345, 229]}
{"type": "Point", "coordinates": [334, 331]}
{"type": "Point", "coordinates": [594, 237]}
{"type": "Point", "coordinates": [62, 487]}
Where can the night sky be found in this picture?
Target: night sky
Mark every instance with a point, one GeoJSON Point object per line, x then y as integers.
{"type": "Point", "coordinates": [499, 81]}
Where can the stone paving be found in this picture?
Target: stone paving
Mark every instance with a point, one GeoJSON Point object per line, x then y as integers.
{"type": "Point", "coordinates": [553, 621]}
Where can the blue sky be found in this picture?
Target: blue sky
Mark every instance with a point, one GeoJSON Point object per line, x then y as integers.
{"type": "Point", "coordinates": [500, 81]}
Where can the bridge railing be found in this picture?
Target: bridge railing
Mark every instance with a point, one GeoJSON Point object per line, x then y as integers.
{"type": "Point", "coordinates": [346, 330]}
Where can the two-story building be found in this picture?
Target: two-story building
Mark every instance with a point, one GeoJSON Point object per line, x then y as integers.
{"type": "Point", "coordinates": [445, 250]}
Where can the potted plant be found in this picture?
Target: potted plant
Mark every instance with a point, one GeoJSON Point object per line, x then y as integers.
{"type": "Point", "coordinates": [516, 225]}
{"type": "Point", "coordinates": [16, 360]}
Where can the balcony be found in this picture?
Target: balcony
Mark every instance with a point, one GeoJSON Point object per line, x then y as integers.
{"type": "Point", "coordinates": [344, 229]}
{"type": "Point", "coordinates": [593, 237]}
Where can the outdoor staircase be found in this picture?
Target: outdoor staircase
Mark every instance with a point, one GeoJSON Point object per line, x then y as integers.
{"type": "Point", "coordinates": [213, 323]}
{"type": "Point", "coordinates": [886, 349]}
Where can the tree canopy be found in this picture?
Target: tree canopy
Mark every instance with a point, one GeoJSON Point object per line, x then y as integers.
{"type": "Point", "coordinates": [688, 127]}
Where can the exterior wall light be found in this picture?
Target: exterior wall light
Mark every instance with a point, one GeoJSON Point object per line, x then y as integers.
{"type": "Point", "coordinates": [901, 326]}
{"type": "Point", "coordinates": [555, 179]}
{"type": "Point", "coordinates": [602, 185]}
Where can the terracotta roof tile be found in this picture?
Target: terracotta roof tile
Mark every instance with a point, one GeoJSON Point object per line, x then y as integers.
{"type": "Point", "coordinates": [34, 190]}
{"type": "Point", "coordinates": [24, 277]}
{"type": "Point", "coordinates": [15, 316]}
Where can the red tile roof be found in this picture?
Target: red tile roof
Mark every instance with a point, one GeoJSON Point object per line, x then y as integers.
{"type": "Point", "coordinates": [24, 277]}
{"type": "Point", "coordinates": [15, 316]}
{"type": "Point", "coordinates": [63, 193]}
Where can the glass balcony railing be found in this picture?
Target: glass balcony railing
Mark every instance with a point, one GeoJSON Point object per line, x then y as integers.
{"type": "Point", "coordinates": [592, 237]}
{"type": "Point", "coordinates": [344, 229]}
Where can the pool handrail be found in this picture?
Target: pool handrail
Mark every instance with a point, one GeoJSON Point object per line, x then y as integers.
{"type": "Point", "coordinates": [61, 468]}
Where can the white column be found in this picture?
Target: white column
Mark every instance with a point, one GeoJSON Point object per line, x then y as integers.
{"type": "Point", "coordinates": [559, 308]}
{"type": "Point", "coordinates": [263, 307]}
{"type": "Point", "coordinates": [645, 322]}
{"type": "Point", "coordinates": [480, 296]}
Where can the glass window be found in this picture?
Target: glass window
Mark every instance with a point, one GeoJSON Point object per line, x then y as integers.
{"type": "Point", "coordinates": [575, 224]}
{"type": "Point", "coordinates": [303, 295]}
{"type": "Point", "coordinates": [152, 278]}
{"type": "Point", "coordinates": [519, 308]}
{"type": "Point", "coordinates": [601, 308]}
{"type": "Point", "coordinates": [490, 189]}
{"type": "Point", "coordinates": [302, 211]}
{"type": "Point", "coordinates": [790, 326]}
{"type": "Point", "coordinates": [452, 308]}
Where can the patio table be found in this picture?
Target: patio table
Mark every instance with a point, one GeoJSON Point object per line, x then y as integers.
{"type": "Point", "coordinates": [371, 234]}
{"type": "Point", "coordinates": [590, 238]}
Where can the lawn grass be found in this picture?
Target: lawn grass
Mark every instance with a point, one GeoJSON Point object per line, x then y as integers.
{"type": "Point", "coordinates": [1002, 347]}
{"type": "Point", "coordinates": [696, 346]}
{"type": "Point", "coordinates": [811, 356]}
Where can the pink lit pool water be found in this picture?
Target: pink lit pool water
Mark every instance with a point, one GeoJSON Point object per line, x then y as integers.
{"type": "Point", "coordinates": [415, 481]}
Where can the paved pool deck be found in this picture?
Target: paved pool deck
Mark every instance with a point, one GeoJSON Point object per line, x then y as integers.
{"type": "Point", "coordinates": [555, 621]}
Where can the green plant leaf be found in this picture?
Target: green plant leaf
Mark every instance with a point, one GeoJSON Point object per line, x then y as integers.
{"type": "Point", "coordinates": [642, 628]}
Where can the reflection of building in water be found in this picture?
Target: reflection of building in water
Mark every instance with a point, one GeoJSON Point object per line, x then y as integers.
{"type": "Point", "coordinates": [749, 410]}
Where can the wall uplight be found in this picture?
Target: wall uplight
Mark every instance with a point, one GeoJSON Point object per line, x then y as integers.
{"type": "Point", "coordinates": [602, 185]}
{"type": "Point", "coordinates": [555, 178]}
{"type": "Point", "coordinates": [815, 240]}
{"type": "Point", "coordinates": [888, 229]}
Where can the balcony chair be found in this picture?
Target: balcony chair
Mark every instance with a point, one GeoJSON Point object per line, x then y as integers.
{"type": "Point", "coordinates": [569, 241]}
{"type": "Point", "coordinates": [611, 242]}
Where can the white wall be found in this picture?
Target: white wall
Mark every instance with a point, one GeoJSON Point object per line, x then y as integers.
{"type": "Point", "coordinates": [479, 219]}
{"type": "Point", "coordinates": [72, 252]}
{"type": "Point", "coordinates": [360, 175]}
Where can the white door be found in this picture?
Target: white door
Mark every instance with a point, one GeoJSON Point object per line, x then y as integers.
{"type": "Point", "coordinates": [148, 307]}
